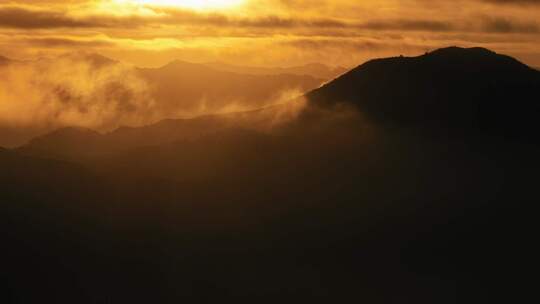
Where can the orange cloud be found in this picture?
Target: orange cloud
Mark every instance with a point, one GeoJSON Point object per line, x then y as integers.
{"type": "Point", "coordinates": [148, 34]}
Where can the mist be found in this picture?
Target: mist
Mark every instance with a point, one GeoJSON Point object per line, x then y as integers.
{"type": "Point", "coordinates": [94, 92]}
{"type": "Point", "coordinates": [73, 91]}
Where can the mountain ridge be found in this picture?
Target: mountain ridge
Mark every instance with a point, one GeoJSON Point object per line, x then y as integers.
{"type": "Point", "coordinates": [316, 70]}
{"type": "Point", "coordinates": [418, 114]}
{"type": "Point", "coordinates": [74, 144]}
{"type": "Point", "coordinates": [450, 89]}
{"type": "Point", "coordinates": [176, 90]}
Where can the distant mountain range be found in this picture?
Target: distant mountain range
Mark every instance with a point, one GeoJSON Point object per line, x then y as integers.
{"type": "Point", "coordinates": [451, 90]}
{"type": "Point", "coordinates": [188, 87]}
{"type": "Point", "coordinates": [316, 70]}
{"type": "Point", "coordinates": [199, 89]}
{"type": "Point", "coordinates": [178, 89]}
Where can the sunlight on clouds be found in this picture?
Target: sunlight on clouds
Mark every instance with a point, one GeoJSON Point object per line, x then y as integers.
{"type": "Point", "coordinates": [266, 32]}
{"type": "Point", "coordinates": [191, 4]}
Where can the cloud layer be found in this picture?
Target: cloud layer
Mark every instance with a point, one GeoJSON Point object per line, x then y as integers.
{"type": "Point", "coordinates": [268, 32]}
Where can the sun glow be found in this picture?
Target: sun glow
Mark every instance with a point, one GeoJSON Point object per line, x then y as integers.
{"type": "Point", "coordinates": [192, 4]}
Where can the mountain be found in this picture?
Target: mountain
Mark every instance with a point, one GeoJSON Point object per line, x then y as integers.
{"type": "Point", "coordinates": [182, 87]}
{"type": "Point", "coordinates": [451, 89]}
{"type": "Point", "coordinates": [322, 210]}
{"type": "Point", "coordinates": [63, 143]}
{"type": "Point", "coordinates": [132, 96]}
{"type": "Point", "coordinates": [316, 70]}
{"type": "Point", "coordinates": [83, 144]}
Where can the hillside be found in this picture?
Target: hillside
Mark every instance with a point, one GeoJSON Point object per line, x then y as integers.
{"type": "Point", "coordinates": [450, 90]}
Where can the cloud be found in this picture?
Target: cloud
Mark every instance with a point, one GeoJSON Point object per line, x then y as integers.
{"type": "Point", "coordinates": [34, 18]}
{"type": "Point", "coordinates": [74, 90]}
{"type": "Point", "coordinates": [514, 2]}
{"type": "Point", "coordinates": [504, 25]}
{"type": "Point", "coordinates": [91, 91]}
{"type": "Point", "coordinates": [409, 25]}
{"type": "Point", "coordinates": [66, 42]}
{"type": "Point", "coordinates": [150, 35]}
{"type": "Point", "coordinates": [25, 18]}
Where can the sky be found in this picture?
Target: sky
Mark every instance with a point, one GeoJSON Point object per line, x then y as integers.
{"type": "Point", "coordinates": [266, 32]}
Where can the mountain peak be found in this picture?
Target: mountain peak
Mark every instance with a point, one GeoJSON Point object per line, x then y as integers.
{"type": "Point", "coordinates": [460, 51]}
{"type": "Point", "coordinates": [477, 56]}
{"type": "Point", "coordinates": [450, 88]}
{"type": "Point", "coordinates": [452, 58]}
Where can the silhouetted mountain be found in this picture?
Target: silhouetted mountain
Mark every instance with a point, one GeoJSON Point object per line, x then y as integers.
{"type": "Point", "coordinates": [64, 143]}
{"type": "Point", "coordinates": [316, 70]}
{"type": "Point", "coordinates": [452, 89]}
{"type": "Point", "coordinates": [13, 136]}
{"type": "Point", "coordinates": [78, 143]}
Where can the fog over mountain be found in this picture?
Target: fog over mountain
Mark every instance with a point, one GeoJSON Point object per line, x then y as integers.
{"type": "Point", "coordinates": [405, 180]}
{"type": "Point", "coordinates": [195, 89]}
{"type": "Point", "coordinates": [91, 91]}
{"type": "Point", "coordinates": [75, 143]}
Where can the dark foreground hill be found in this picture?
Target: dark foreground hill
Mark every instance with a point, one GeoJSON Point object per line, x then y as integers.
{"type": "Point", "coordinates": [449, 90]}
{"type": "Point", "coordinates": [331, 209]}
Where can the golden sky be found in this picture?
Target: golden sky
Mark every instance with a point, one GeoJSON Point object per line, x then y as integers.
{"type": "Point", "coordinates": [266, 32]}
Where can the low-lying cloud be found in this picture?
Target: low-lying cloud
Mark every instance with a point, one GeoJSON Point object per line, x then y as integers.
{"type": "Point", "coordinates": [69, 91]}
{"type": "Point", "coordinates": [90, 91]}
